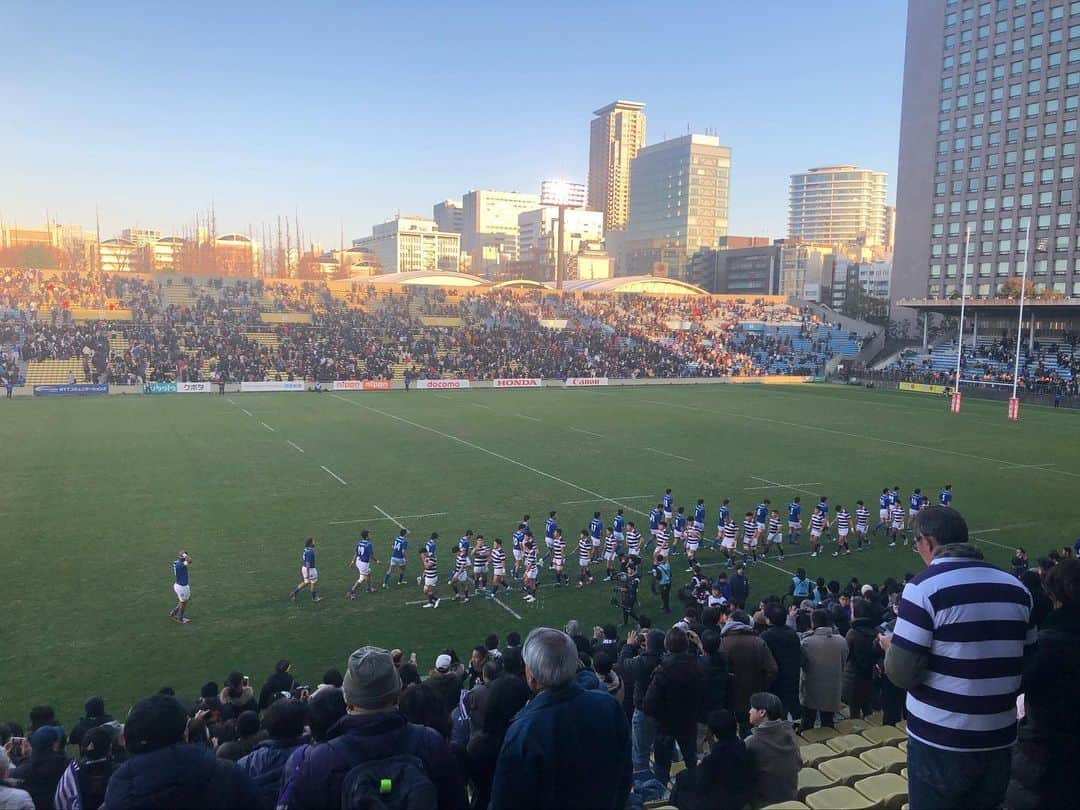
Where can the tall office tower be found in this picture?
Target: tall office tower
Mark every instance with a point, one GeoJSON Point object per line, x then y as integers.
{"type": "Point", "coordinates": [835, 205]}
{"type": "Point", "coordinates": [616, 135]}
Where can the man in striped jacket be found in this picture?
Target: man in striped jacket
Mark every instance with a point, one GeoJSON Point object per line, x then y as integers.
{"type": "Point", "coordinates": [958, 647]}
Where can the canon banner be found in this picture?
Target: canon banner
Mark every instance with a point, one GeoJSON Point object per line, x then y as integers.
{"type": "Point", "coordinates": [580, 382]}
{"type": "Point", "coordinates": [518, 382]}
{"type": "Point", "coordinates": [288, 385]}
{"type": "Point", "coordinates": [441, 385]}
{"type": "Point", "coordinates": [362, 385]}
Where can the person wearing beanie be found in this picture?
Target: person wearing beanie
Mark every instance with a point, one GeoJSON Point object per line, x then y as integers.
{"type": "Point", "coordinates": [41, 773]}
{"type": "Point", "coordinates": [372, 729]}
{"type": "Point", "coordinates": [166, 771]}
{"type": "Point", "coordinates": [280, 681]}
{"type": "Point", "coordinates": [95, 716]}
{"type": "Point", "coordinates": [284, 725]}
{"type": "Point", "coordinates": [11, 796]}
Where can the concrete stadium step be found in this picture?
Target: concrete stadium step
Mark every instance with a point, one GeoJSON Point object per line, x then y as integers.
{"type": "Point", "coordinates": [53, 372]}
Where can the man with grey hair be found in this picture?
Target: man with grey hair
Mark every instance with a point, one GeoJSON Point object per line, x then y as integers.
{"type": "Point", "coordinates": [569, 747]}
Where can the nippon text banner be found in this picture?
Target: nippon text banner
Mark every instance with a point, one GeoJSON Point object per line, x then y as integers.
{"type": "Point", "coordinates": [362, 385]}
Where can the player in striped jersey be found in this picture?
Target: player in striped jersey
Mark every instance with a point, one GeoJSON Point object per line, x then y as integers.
{"type": "Point", "coordinates": [532, 569]}
{"type": "Point", "coordinates": [431, 581]}
{"type": "Point", "coordinates": [862, 523]}
{"type": "Point", "coordinates": [585, 552]}
{"type": "Point", "coordinates": [693, 541]}
{"type": "Point", "coordinates": [728, 532]}
{"type": "Point", "coordinates": [460, 578]}
{"type": "Point", "coordinates": [843, 528]}
{"type": "Point", "coordinates": [794, 521]}
{"type": "Point", "coordinates": [663, 540]}
{"type": "Point", "coordinates": [481, 556]}
{"type": "Point", "coordinates": [517, 542]}
{"type": "Point", "coordinates": [596, 534]}
{"type": "Point", "coordinates": [897, 529]}
{"type": "Point", "coordinates": [774, 535]}
{"type": "Point", "coordinates": [498, 566]}
{"type": "Point", "coordinates": [464, 542]}
{"type": "Point", "coordinates": [884, 511]}
{"type": "Point", "coordinates": [823, 507]}
{"type": "Point", "coordinates": [611, 553]}
{"type": "Point", "coordinates": [633, 541]}
{"type": "Point", "coordinates": [817, 526]}
{"type": "Point", "coordinates": [749, 537]}
{"type": "Point", "coordinates": [558, 556]}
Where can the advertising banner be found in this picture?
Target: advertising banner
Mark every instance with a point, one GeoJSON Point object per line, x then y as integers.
{"type": "Point", "coordinates": [362, 385]}
{"type": "Point", "coordinates": [194, 388]}
{"type": "Point", "coordinates": [922, 388]}
{"type": "Point", "coordinates": [289, 385]}
{"type": "Point", "coordinates": [441, 385]}
{"type": "Point", "coordinates": [579, 382]}
{"type": "Point", "coordinates": [159, 388]}
{"type": "Point", "coordinates": [70, 390]}
{"type": "Point", "coordinates": [517, 382]}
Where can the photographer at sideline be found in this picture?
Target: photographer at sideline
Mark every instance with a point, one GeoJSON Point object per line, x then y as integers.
{"type": "Point", "coordinates": [626, 593]}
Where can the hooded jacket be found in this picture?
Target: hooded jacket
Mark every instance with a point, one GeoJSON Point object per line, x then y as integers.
{"type": "Point", "coordinates": [265, 764]}
{"type": "Point", "coordinates": [776, 760]}
{"type": "Point", "coordinates": [178, 777]}
{"type": "Point", "coordinates": [675, 694]}
{"type": "Point", "coordinates": [752, 665]}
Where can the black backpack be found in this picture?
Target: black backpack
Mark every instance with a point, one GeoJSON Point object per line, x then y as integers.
{"type": "Point", "coordinates": [396, 782]}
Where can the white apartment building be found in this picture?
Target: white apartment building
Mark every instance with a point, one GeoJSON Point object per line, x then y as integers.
{"type": "Point", "coordinates": [833, 205]}
{"type": "Point", "coordinates": [538, 228]}
{"type": "Point", "coordinates": [489, 227]}
{"type": "Point", "coordinates": [408, 243]}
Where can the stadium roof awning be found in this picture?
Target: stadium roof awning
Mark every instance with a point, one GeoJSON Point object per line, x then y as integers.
{"type": "Point", "coordinates": [524, 283]}
{"type": "Point", "coordinates": [425, 278]}
{"type": "Point", "coordinates": [632, 284]}
{"type": "Point", "coordinates": [1065, 307]}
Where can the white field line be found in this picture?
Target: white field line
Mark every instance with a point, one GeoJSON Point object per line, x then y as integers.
{"type": "Point", "coordinates": [334, 474]}
{"type": "Point", "coordinates": [267, 427]}
{"type": "Point", "coordinates": [481, 405]}
{"type": "Point", "coordinates": [388, 516]}
{"type": "Point", "coordinates": [666, 453]}
{"type": "Point", "coordinates": [249, 413]}
{"type": "Point", "coordinates": [586, 432]}
{"type": "Point", "coordinates": [369, 520]}
{"type": "Point", "coordinates": [788, 486]}
{"type": "Point", "coordinates": [1025, 466]}
{"type": "Point", "coordinates": [491, 453]}
{"type": "Point", "coordinates": [230, 400]}
{"type": "Point", "coordinates": [836, 432]}
{"type": "Point", "coordinates": [294, 446]}
{"type": "Point", "coordinates": [778, 485]}
{"type": "Point", "coordinates": [530, 418]}
{"type": "Point", "coordinates": [619, 498]}
{"type": "Point", "coordinates": [442, 396]}
{"type": "Point", "coordinates": [506, 607]}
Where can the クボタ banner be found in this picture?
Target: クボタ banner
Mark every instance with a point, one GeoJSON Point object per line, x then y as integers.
{"type": "Point", "coordinates": [517, 382]}
{"type": "Point", "coordinates": [583, 382]}
{"type": "Point", "coordinates": [159, 388]}
{"type": "Point", "coordinates": [71, 390]}
{"type": "Point", "coordinates": [194, 388]}
{"type": "Point", "coordinates": [288, 385]}
{"type": "Point", "coordinates": [362, 385]}
{"type": "Point", "coordinates": [922, 388]}
{"type": "Point", "coordinates": [441, 385]}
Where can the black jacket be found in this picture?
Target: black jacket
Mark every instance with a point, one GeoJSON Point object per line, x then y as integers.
{"type": "Point", "coordinates": [783, 643]}
{"type": "Point", "coordinates": [863, 653]}
{"type": "Point", "coordinates": [179, 776]}
{"type": "Point", "coordinates": [641, 672]}
{"type": "Point", "coordinates": [717, 683]}
{"type": "Point", "coordinates": [278, 682]}
{"type": "Point", "coordinates": [740, 589]}
{"type": "Point", "coordinates": [40, 774]}
{"type": "Point", "coordinates": [723, 780]}
{"type": "Point", "coordinates": [675, 694]}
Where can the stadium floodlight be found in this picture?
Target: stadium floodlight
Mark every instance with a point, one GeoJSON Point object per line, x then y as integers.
{"type": "Point", "coordinates": [561, 194]}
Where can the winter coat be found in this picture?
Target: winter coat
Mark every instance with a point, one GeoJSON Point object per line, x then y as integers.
{"type": "Point", "coordinates": [776, 762]}
{"type": "Point", "coordinates": [85, 724]}
{"type": "Point", "coordinates": [447, 685]}
{"type": "Point", "coordinates": [740, 589]}
{"type": "Point", "coordinates": [752, 665]}
{"type": "Point", "coordinates": [783, 642]}
{"type": "Point", "coordinates": [1044, 760]}
{"type": "Point", "coordinates": [568, 748]}
{"type": "Point", "coordinates": [823, 656]}
{"type": "Point", "coordinates": [863, 655]}
{"type": "Point", "coordinates": [232, 706]}
{"type": "Point", "coordinates": [178, 777]}
{"type": "Point", "coordinates": [723, 780]}
{"type": "Point", "coordinates": [265, 765]}
{"type": "Point", "coordinates": [675, 694]}
{"type": "Point", "coordinates": [276, 683]}
{"type": "Point", "coordinates": [40, 775]}
{"type": "Point", "coordinates": [640, 673]}
{"type": "Point", "coordinates": [14, 798]}
{"type": "Point", "coordinates": [717, 683]}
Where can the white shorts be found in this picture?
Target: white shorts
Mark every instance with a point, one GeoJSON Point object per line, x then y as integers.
{"type": "Point", "coordinates": [309, 574]}
{"type": "Point", "coordinates": [397, 561]}
{"type": "Point", "coordinates": [815, 533]}
{"type": "Point", "coordinates": [558, 562]}
{"type": "Point", "coordinates": [547, 542]}
{"type": "Point", "coordinates": [860, 528]}
{"type": "Point", "coordinates": [634, 551]}
{"type": "Point", "coordinates": [620, 536]}
{"type": "Point", "coordinates": [480, 569]}
{"type": "Point", "coordinates": [842, 533]}
{"type": "Point", "coordinates": [517, 555]}
{"type": "Point", "coordinates": [898, 524]}
{"type": "Point", "coordinates": [431, 579]}
{"type": "Point", "coordinates": [750, 542]}
{"type": "Point", "coordinates": [667, 515]}
{"type": "Point", "coordinates": [363, 568]}
{"type": "Point", "coordinates": [761, 527]}
{"type": "Point", "coordinates": [183, 592]}
{"type": "Point", "coordinates": [610, 556]}
{"type": "Point", "coordinates": [530, 573]}
{"type": "Point", "coordinates": [678, 534]}
{"type": "Point", "coordinates": [461, 576]}
{"type": "Point", "coordinates": [584, 562]}
{"type": "Point", "coordinates": [883, 515]}
{"type": "Point", "coordinates": [596, 542]}
{"type": "Point", "coordinates": [654, 532]}
{"type": "Point", "coordinates": [776, 537]}
{"type": "Point", "coordinates": [728, 544]}
{"type": "Point", "coordinates": [699, 525]}
{"type": "Point", "coordinates": [692, 545]}
{"type": "Point", "coordinates": [912, 512]}
{"type": "Point", "coordinates": [500, 570]}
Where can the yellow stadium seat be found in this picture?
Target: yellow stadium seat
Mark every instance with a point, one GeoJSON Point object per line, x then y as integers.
{"type": "Point", "coordinates": [677, 768]}
{"type": "Point", "coordinates": [846, 770]}
{"type": "Point", "coordinates": [902, 725]}
{"type": "Point", "coordinates": [786, 806]}
{"type": "Point", "coordinates": [886, 790]}
{"type": "Point", "coordinates": [818, 734]}
{"type": "Point", "coordinates": [903, 772]}
{"type": "Point", "coordinates": [902, 746]}
{"type": "Point", "coordinates": [849, 744]}
{"type": "Point", "coordinates": [851, 726]}
{"type": "Point", "coordinates": [885, 758]}
{"type": "Point", "coordinates": [812, 780]}
{"type": "Point", "coordinates": [813, 753]}
{"type": "Point", "coordinates": [838, 798]}
{"type": "Point", "coordinates": [884, 735]}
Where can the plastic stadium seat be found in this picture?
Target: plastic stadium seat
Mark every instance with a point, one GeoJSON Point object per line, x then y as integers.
{"type": "Point", "coordinates": [677, 768]}
{"type": "Point", "coordinates": [903, 772]}
{"type": "Point", "coordinates": [851, 726]}
{"type": "Point", "coordinates": [818, 734]}
{"type": "Point", "coordinates": [902, 746]}
{"type": "Point", "coordinates": [887, 790]}
{"type": "Point", "coordinates": [812, 780]}
{"type": "Point", "coordinates": [902, 725]}
{"type": "Point", "coordinates": [814, 753]}
{"type": "Point", "coordinates": [884, 735]}
{"type": "Point", "coordinates": [885, 758]}
{"type": "Point", "coordinates": [846, 770]}
{"type": "Point", "coordinates": [849, 744]}
{"type": "Point", "coordinates": [786, 806]}
{"type": "Point", "coordinates": [838, 798]}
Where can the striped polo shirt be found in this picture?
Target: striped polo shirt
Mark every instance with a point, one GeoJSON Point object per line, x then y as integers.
{"type": "Point", "coordinates": [973, 622]}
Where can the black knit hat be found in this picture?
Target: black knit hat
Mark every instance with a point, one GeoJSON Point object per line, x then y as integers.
{"type": "Point", "coordinates": [154, 722]}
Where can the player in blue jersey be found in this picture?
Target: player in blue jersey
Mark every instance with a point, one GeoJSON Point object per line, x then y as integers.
{"type": "Point", "coordinates": [551, 525]}
{"type": "Point", "coordinates": [309, 574]}
{"type": "Point", "coordinates": [945, 496]}
{"type": "Point", "coordinates": [721, 521]}
{"type": "Point", "coordinates": [525, 522]}
{"type": "Point", "coordinates": [761, 517]}
{"type": "Point", "coordinates": [699, 515]}
{"type": "Point", "coordinates": [794, 521]}
{"type": "Point", "coordinates": [397, 557]}
{"type": "Point", "coordinates": [363, 557]}
{"type": "Point", "coordinates": [596, 535]}
{"type": "Point", "coordinates": [618, 528]}
{"type": "Point", "coordinates": [915, 503]}
{"type": "Point", "coordinates": [678, 529]}
{"type": "Point", "coordinates": [517, 545]}
{"type": "Point", "coordinates": [666, 503]}
{"type": "Point", "coordinates": [656, 515]}
{"type": "Point", "coordinates": [884, 511]}
{"type": "Point", "coordinates": [181, 588]}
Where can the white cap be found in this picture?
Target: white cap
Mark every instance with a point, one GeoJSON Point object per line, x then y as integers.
{"type": "Point", "coordinates": [443, 662]}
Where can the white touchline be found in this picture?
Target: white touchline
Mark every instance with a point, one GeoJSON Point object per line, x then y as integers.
{"type": "Point", "coordinates": [230, 400]}
{"type": "Point", "coordinates": [506, 607]}
{"type": "Point", "coordinates": [530, 418]}
{"type": "Point", "coordinates": [1024, 466]}
{"type": "Point", "coordinates": [245, 410]}
{"type": "Point", "coordinates": [369, 520]}
{"type": "Point", "coordinates": [294, 446]}
{"type": "Point", "coordinates": [491, 453]}
{"type": "Point", "coordinates": [267, 427]}
{"type": "Point", "coordinates": [665, 453]}
{"type": "Point", "coordinates": [442, 396]}
{"type": "Point", "coordinates": [338, 477]}
{"type": "Point", "coordinates": [777, 485]}
{"type": "Point", "coordinates": [390, 517]}
{"type": "Point", "coordinates": [586, 432]}
{"type": "Point", "coordinates": [481, 405]}
{"type": "Point", "coordinates": [789, 486]}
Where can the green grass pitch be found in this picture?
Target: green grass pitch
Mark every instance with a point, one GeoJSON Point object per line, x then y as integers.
{"type": "Point", "coordinates": [100, 494]}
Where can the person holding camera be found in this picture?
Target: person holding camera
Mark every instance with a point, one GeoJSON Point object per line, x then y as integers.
{"type": "Point", "coordinates": [626, 593]}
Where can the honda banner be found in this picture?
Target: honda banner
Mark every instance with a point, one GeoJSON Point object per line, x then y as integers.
{"type": "Point", "coordinates": [517, 382]}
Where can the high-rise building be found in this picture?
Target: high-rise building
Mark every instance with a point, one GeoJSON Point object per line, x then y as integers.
{"type": "Point", "coordinates": [489, 228]}
{"type": "Point", "coordinates": [890, 227]}
{"type": "Point", "coordinates": [750, 270]}
{"type": "Point", "coordinates": [616, 135]}
{"type": "Point", "coordinates": [538, 228]}
{"type": "Point", "coordinates": [678, 203]}
{"type": "Point", "coordinates": [405, 244]}
{"type": "Point", "coordinates": [988, 139]}
{"type": "Point", "coordinates": [834, 205]}
{"type": "Point", "coordinates": [447, 215]}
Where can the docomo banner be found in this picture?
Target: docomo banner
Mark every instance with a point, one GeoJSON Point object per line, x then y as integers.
{"type": "Point", "coordinates": [362, 385]}
{"type": "Point", "coordinates": [288, 385]}
{"type": "Point", "coordinates": [517, 382]}
{"type": "Point", "coordinates": [581, 382]}
{"type": "Point", "coordinates": [194, 388]}
{"type": "Point", "coordinates": [441, 384]}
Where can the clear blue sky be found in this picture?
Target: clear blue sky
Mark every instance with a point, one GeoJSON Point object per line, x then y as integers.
{"type": "Point", "coordinates": [350, 111]}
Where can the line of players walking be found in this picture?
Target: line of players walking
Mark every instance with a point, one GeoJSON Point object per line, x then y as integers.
{"type": "Point", "coordinates": [479, 569]}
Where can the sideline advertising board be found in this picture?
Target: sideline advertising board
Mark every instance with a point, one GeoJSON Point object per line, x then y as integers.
{"type": "Point", "coordinates": [78, 390]}
{"type": "Point", "coordinates": [441, 385]}
{"type": "Point", "coordinates": [585, 382]}
{"type": "Point", "coordinates": [922, 388]}
{"type": "Point", "coordinates": [287, 385]}
{"type": "Point", "coordinates": [517, 382]}
{"type": "Point", "coordinates": [159, 388]}
{"type": "Point", "coordinates": [194, 388]}
{"type": "Point", "coordinates": [362, 385]}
